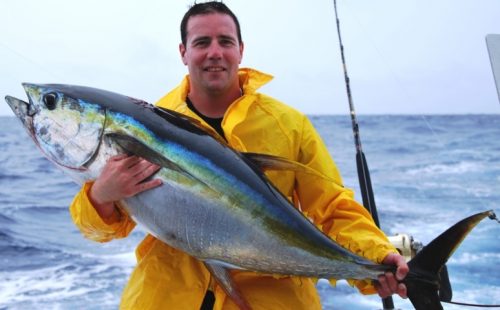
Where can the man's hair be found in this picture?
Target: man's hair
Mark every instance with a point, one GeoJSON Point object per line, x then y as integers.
{"type": "Point", "coordinates": [203, 8]}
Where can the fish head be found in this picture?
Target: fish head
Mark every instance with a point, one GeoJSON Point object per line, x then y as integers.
{"type": "Point", "coordinates": [67, 130]}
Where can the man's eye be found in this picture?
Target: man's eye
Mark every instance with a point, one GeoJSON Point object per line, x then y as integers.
{"type": "Point", "coordinates": [201, 43]}
{"type": "Point", "coordinates": [226, 43]}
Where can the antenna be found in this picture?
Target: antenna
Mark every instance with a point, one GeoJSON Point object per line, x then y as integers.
{"type": "Point", "coordinates": [493, 45]}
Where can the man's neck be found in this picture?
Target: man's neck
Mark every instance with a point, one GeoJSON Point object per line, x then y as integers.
{"type": "Point", "coordinates": [214, 105]}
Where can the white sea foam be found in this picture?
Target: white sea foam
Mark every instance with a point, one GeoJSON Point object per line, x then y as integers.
{"type": "Point", "coordinates": [419, 190]}
{"type": "Point", "coordinates": [468, 259]}
{"type": "Point", "coordinates": [486, 294]}
{"type": "Point", "coordinates": [67, 284]}
{"type": "Point", "coordinates": [440, 168]}
{"type": "Point", "coordinates": [344, 296]}
{"type": "Point", "coordinates": [43, 284]}
{"type": "Point", "coordinates": [123, 260]}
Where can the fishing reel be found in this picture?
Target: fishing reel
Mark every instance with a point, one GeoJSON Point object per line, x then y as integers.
{"type": "Point", "coordinates": [408, 247]}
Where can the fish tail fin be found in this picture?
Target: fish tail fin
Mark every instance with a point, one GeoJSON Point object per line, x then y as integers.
{"type": "Point", "coordinates": [422, 282]}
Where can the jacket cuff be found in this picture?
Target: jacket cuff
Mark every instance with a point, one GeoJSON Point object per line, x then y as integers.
{"type": "Point", "coordinates": [92, 225]}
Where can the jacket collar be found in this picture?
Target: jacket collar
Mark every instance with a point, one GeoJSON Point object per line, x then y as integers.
{"type": "Point", "coordinates": [250, 81]}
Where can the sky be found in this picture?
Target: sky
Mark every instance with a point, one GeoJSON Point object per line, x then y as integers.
{"type": "Point", "coordinates": [403, 56]}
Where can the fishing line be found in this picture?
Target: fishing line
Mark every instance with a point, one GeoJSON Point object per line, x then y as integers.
{"type": "Point", "coordinates": [361, 164]}
{"type": "Point", "coordinates": [365, 180]}
{"type": "Point", "coordinates": [30, 61]}
{"type": "Point", "coordinates": [401, 86]}
{"type": "Point", "coordinates": [471, 305]}
{"type": "Point", "coordinates": [404, 90]}
{"type": "Point", "coordinates": [364, 174]}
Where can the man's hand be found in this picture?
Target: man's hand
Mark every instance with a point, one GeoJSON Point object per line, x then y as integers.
{"type": "Point", "coordinates": [120, 178]}
{"type": "Point", "coordinates": [388, 284]}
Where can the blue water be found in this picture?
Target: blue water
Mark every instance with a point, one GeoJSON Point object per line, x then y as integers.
{"type": "Point", "coordinates": [427, 171]}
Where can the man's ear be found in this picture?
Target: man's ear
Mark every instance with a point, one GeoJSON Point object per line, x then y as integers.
{"type": "Point", "coordinates": [242, 47]}
{"type": "Point", "coordinates": [182, 51]}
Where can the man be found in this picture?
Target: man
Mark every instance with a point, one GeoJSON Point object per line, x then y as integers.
{"type": "Point", "coordinates": [224, 98]}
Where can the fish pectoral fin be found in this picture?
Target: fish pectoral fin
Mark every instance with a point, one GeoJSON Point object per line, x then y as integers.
{"type": "Point", "coordinates": [224, 279]}
{"type": "Point", "coordinates": [135, 147]}
{"type": "Point", "coordinates": [272, 162]}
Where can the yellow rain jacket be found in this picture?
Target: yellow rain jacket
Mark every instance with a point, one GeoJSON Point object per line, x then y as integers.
{"type": "Point", "coordinates": [166, 278]}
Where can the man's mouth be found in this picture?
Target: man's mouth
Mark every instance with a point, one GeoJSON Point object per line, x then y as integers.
{"type": "Point", "coordinates": [214, 69]}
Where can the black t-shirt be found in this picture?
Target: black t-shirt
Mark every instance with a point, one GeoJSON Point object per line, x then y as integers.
{"type": "Point", "coordinates": [215, 123]}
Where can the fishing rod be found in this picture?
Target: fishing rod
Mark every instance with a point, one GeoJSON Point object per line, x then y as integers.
{"type": "Point", "coordinates": [361, 163]}
{"type": "Point", "coordinates": [445, 292]}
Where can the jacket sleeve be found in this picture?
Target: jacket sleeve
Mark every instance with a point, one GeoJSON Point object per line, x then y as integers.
{"type": "Point", "coordinates": [92, 225]}
{"type": "Point", "coordinates": [333, 208]}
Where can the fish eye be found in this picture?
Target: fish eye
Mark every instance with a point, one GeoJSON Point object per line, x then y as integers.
{"type": "Point", "coordinates": [50, 100]}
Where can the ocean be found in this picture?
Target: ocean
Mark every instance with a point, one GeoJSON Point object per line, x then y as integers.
{"type": "Point", "coordinates": [428, 172]}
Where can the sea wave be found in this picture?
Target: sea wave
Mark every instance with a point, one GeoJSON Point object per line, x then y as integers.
{"type": "Point", "coordinates": [467, 259]}
{"type": "Point", "coordinates": [446, 168]}
{"type": "Point", "coordinates": [427, 172]}
{"type": "Point", "coordinates": [69, 283]}
{"type": "Point", "coordinates": [65, 285]}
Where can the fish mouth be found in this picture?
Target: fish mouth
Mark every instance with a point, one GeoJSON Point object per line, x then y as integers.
{"type": "Point", "coordinates": [18, 106]}
{"type": "Point", "coordinates": [23, 110]}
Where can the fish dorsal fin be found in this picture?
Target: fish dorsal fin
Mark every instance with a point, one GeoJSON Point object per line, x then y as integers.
{"type": "Point", "coordinates": [223, 277]}
{"type": "Point", "coordinates": [185, 121]}
{"type": "Point", "coordinates": [272, 162]}
{"type": "Point", "coordinates": [263, 161]}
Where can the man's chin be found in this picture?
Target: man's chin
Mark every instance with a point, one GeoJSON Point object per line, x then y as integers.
{"type": "Point", "coordinates": [216, 86]}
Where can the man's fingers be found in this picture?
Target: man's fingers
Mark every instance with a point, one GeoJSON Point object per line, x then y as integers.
{"type": "Point", "coordinates": [387, 285]}
{"type": "Point", "coordinates": [118, 157]}
{"type": "Point", "coordinates": [391, 282]}
{"type": "Point", "coordinates": [402, 271]}
{"type": "Point", "coordinates": [143, 170]}
{"type": "Point", "coordinates": [402, 267]}
{"type": "Point", "coordinates": [153, 169]}
{"type": "Point", "coordinates": [383, 288]}
{"type": "Point", "coordinates": [402, 290]}
{"type": "Point", "coordinates": [132, 161]}
{"type": "Point", "coordinates": [148, 185]}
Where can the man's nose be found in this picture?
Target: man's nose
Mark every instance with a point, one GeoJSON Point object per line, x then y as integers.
{"type": "Point", "coordinates": [215, 51]}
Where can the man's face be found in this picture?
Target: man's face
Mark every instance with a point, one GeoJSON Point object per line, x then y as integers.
{"type": "Point", "coordinates": [212, 53]}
